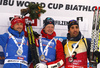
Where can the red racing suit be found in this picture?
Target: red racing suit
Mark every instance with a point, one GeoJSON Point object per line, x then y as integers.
{"type": "Point", "coordinates": [79, 56]}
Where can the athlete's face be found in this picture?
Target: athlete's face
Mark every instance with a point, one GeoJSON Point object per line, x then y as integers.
{"type": "Point", "coordinates": [18, 27]}
{"type": "Point", "coordinates": [49, 29]}
{"type": "Point", "coordinates": [74, 31]}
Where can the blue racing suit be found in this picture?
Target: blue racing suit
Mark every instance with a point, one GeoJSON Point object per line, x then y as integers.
{"type": "Point", "coordinates": [12, 59]}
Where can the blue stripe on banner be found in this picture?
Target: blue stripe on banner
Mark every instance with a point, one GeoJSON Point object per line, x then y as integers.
{"type": "Point", "coordinates": [2, 58]}
{"type": "Point", "coordinates": [63, 38]}
{"type": "Point", "coordinates": [60, 38]}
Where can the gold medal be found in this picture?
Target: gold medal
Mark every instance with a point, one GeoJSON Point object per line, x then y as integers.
{"type": "Point", "coordinates": [42, 57]}
{"type": "Point", "coordinates": [19, 52]}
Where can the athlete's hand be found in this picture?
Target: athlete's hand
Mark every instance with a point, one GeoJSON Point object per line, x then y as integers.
{"type": "Point", "coordinates": [40, 65]}
{"type": "Point", "coordinates": [97, 53]}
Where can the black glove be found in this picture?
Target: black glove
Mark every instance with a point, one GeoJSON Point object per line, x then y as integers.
{"type": "Point", "coordinates": [97, 53]}
{"type": "Point", "coordinates": [36, 34]}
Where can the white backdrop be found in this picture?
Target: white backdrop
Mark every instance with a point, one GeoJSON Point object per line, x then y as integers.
{"type": "Point", "coordinates": [60, 10]}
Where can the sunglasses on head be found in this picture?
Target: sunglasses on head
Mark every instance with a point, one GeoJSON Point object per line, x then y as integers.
{"type": "Point", "coordinates": [72, 21]}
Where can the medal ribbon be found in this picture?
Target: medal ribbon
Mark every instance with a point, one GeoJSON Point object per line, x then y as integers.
{"type": "Point", "coordinates": [45, 47]}
{"type": "Point", "coordinates": [19, 47]}
{"type": "Point", "coordinates": [73, 48]}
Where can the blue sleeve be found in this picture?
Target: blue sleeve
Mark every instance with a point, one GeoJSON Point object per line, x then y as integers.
{"type": "Point", "coordinates": [3, 39]}
{"type": "Point", "coordinates": [88, 49]}
{"type": "Point", "coordinates": [29, 56]}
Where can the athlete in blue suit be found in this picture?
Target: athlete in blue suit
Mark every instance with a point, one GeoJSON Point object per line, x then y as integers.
{"type": "Point", "coordinates": [15, 45]}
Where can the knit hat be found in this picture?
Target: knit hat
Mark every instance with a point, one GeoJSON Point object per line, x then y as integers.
{"type": "Point", "coordinates": [47, 21]}
{"type": "Point", "coordinates": [16, 20]}
{"type": "Point", "coordinates": [72, 22]}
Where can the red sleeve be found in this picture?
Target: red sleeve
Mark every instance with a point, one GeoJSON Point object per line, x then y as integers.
{"type": "Point", "coordinates": [36, 42]}
{"type": "Point", "coordinates": [59, 56]}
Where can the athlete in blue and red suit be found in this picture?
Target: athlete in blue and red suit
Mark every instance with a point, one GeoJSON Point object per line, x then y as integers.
{"type": "Point", "coordinates": [50, 49]}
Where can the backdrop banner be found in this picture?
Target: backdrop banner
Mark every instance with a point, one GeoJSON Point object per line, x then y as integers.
{"type": "Point", "coordinates": [60, 10]}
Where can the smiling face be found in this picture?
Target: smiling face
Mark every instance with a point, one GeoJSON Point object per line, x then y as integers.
{"type": "Point", "coordinates": [49, 29]}
{"type": "Point", "coordinates": [74, 31]}
{"type": "Point", "coordinates": [18, 27]}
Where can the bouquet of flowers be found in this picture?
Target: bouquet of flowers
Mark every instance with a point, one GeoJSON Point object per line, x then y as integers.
{"type": "Point", "coordinates": [34, 11]}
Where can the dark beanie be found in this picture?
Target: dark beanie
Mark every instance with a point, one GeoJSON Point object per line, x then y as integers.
{"type": "Point", "coordinates": [47, 21]}
{"type": "Point", "coordinates": [72, 22]}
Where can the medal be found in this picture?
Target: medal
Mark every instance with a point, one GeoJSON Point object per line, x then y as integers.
{"type": "Point", "coordinates": [19, 52]}
{"type": "Point", "coordinates": [20, 48]}
{"type": "Point", "coordinates": [45, 52]}
{"type": "Point", "coordinates": [42, 57]}
{"type": "Point", "coordinates": [70, 59]}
